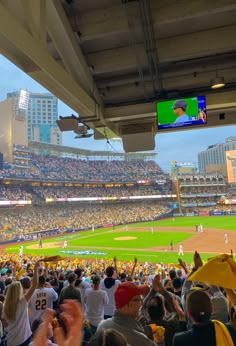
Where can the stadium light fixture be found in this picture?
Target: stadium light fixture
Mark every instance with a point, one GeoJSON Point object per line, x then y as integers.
{"type": "Point", "coordinates": [217, 82]}
{"type": "Point", "coordinates": [21, 102]}
{"type": "Point", "coordinates": [23, 99]}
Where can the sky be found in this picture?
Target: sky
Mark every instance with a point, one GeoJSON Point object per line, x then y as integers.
{"type": "Point", "coordinates": [181, 146]}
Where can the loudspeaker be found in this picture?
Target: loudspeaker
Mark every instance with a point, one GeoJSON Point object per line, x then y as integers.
{"type": "Point", "coordinates": [138, 137]}
{"type": "Point", "coordinates": [1, 161]}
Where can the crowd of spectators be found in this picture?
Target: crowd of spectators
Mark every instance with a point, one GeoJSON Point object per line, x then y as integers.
{"type": "Point", "coordinates": [217, 207]}
{"type": "Point", "coordinates": [13, 194]}
{"type": "Point", "coordinates": [199, 200]}
{"type": "Point", "coordinates": [69, 169]}
{"type": "Point", "coordinates": [113, 303]}
{"type": "Point", "coordinates": [184, 190]}
{"type": "Point", "coordinates": [198, 179]}
{"type": "Point", "coordinates": [18, 223]}
{"type": "Point", "coordinates": [21, 192]}
{"type": "Point", "coordinates": [121, 191]}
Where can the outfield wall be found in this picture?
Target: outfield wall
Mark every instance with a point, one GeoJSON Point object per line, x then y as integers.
{"type": "Point", "coordinates": [207, 213]}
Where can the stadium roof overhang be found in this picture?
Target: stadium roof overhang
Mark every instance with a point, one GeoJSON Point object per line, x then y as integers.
{"type": "Point", "coordinates": [110, 60]}
{"type": "Point", "coordinates": [60, 150]}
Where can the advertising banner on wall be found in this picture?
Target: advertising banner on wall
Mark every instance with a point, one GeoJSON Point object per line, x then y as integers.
{"type": "Point", "coordinates": [217, 213]}
{"type": "Point", "coordinates": [232, 212]}
{"type": "Point", "coordinates": [203, 213]}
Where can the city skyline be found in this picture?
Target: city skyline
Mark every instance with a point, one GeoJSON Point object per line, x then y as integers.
{"type": "Point", "coordinates": [181, 146]}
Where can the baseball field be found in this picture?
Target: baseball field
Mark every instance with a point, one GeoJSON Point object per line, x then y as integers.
{"type": "Point", "coordinates": [148, 241]}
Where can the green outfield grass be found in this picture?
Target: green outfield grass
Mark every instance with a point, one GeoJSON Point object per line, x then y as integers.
{"type": "Point", "coordinates": [103, 240]}
{"type": "Point", "coordinates": [221, 222]}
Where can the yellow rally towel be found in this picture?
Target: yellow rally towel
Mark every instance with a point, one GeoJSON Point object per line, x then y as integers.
{"type": "Point", "coordinates": [223, 337]}
{"type": "Point", "coordinates": [20, 273]}
{"type": "Point", "coordinates": [218, 271]}
{"type": "Point", "coordinates": [157, 333]}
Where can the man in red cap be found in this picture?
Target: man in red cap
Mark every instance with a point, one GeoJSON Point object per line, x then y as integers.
{"type": "Point", "coordinates": [128, 301]}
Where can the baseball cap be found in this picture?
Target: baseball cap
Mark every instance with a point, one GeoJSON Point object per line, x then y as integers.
{"type": "Point", "coordinates": [179, 272]}
{"type": "Point", "coordinates": [180, 104]}
{"type": "Point", "coordinates": [126, 291]}
{"type": "Point", "coordinates": [3, 271]}
{"type": "Point", "coordinates": [199, 305]}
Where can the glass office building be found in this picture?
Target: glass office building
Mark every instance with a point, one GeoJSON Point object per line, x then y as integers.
{"type": "Point", "coordinates": [42, 114]}
{"type": "Point", "coordinates": [215, 154]}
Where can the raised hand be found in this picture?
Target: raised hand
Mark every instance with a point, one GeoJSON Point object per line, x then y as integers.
{"type": "Point", "coordinates": [197, 260]}
{"type": "Point", "coordinates": [183, 265]}
{"type": "Point", "coordinates": [156, 284]}
{"type": "Point", "coordinates": [41, 336]}
{"type": "Point", "coordinates": [72, 317]}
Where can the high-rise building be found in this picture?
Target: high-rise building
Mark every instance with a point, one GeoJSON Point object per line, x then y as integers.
{"type": "Point", "coordinates": [42, 114]}
{"type": "Point", "coordinates": [215, 154]}
{"type": "Point", "coordinates": [13, 128]}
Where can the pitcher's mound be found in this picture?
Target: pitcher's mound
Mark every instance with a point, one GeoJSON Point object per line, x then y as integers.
{"type": "Point", "coordinates": [125, 238]}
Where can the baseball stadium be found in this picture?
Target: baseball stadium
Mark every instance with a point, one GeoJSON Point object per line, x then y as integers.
{"type": "Point", "coordinates": [108, 238]}
{"type": "Point", "coordinates": [126, 206]}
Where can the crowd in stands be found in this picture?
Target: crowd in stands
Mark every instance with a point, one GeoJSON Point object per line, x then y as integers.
{"type": "Point", "coordinates": [122, 191]}
{"type": "Point", "coordinates": [184, 190]}
{"type": "Point", "coordinates": [13, 194]}
{"type": "Point", "coordinates": [217, 207]}
{"type": "Point", "coordinates": [18, 223]}
{"type": "Point", "coordinates": [69, 169]}
{"type": "Point", "coordinates": [209, 179]}
{"type": "Point", "coordinates": [200, 200]}
{"type": "Point", "coordinates": [54, 301]}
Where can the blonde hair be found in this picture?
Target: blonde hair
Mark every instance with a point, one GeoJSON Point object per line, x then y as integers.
{"type": "Point", "coordinates": [13, 296]}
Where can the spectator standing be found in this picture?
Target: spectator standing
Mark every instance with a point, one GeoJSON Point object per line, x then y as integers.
{"type": "Point", "coordinates": [70, 292]}
{"type": "Point", "coordinates": [128, 301]}
{"type": "Point", "coordinates": [95, 300]}
{"type": "Point", "coordinates": [81, 284]}
{"type": "Point", "coordinates": [15, 311]}
{"type": "Point", "coordinates": [204, 332]}
{"type": "Point", "coordinates": [109, 285]}
{"type": "Point", "coordinates": [42, 298]}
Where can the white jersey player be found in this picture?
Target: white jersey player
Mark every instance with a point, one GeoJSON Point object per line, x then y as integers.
{"type": "Point", "coordinates": [226, 238]}
{"type": "Point", "coordinates": [181, 250]}
{"type": "Point", "coordinates": [42, 298]}
{"type": "Point", "coordinates": [65, 244]}
{"type": "Point", "coordinates": [21, 249]}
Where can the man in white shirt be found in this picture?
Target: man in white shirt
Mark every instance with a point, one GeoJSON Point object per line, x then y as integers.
{"type": "Point", "coordinates": [94, 301]}
{"type": "Point", "coordinates": [81, 284]}
{"type": "Point", "coordinates": [109, 285]}
{"type": "Point", "coordinates": [42, 299]}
